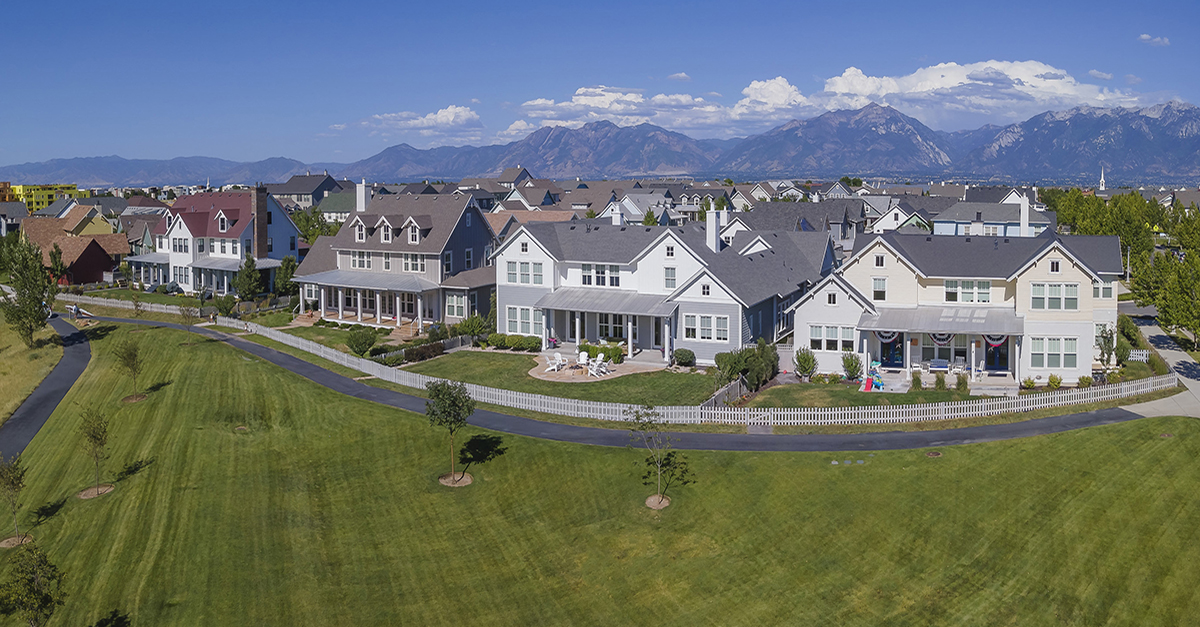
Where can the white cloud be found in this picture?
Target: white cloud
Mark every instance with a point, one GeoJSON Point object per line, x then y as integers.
{"type": "Point", "coordinates": [1104, 76]}
{"type": "Point", "coordinates": [679, 76]}
{"type": "Point", "coordinates": [453, 124]}
{"type": "Point", "coordinates": [1154, 41]}
{"type": "Point", "coordinates": [337, 127]}
{"type": "Point", "coordinates": [1132, 80]}
{"type": "Point", "coordinates": [516, 130]}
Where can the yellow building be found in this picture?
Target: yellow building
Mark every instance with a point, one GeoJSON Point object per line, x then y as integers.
{"type": "Point", "coordinates": [6, 193]}
{"type": "Point", "coordinates": [38, 197]}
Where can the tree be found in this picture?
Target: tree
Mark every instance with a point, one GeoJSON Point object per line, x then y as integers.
{"type": "Point", "coordinates": [702, 214]}
{"type": "Point", "coordinates": [360, 340]}
{"type": "Point", "coordinates": [312, 224]}
{"type": "Point", "coordinates": [1179, 303]}
{"type": "Point", "coordinates": [284, 286]}
{"type": "Point", "coordinates": [248, 282]}
{"type": "Point", "coordinates": [137, 304]}
{"type": "Point", "coordinates": [1106, 343]}
{"type": "Point", "coordinates": [449, 406]}
{"type": "Point", "coordinates": [650, 220]}
{"type": "Point", "coordinates": [57, 268]}
{"type": "Point", "coordinates": [28, 307]}
{"type": "Point", "coordinates": [491, 319]}
{"type": "Point", "coordinates": [728, 182]}
{"type": "Point", "coordinates": [664, 466]}
{"type": "Point", "coordinates": [94, 429]}
{"type": "Point", "coordinates": [189, 313]}
{"type": "Point", "coordinates": [130, 361]}
{"type": "Point", "coordinates": [806, 362]}
{"type": "Point", "coordinates": [12, 481]}
{"type": "Point", "coordinates": [591, 213]}
{"type": "Point", "coordinates": [34, 588]}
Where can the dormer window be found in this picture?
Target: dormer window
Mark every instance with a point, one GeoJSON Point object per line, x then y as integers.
{"type": "Point", "coordinates": [414, 234]}
{"type": "Point", "coordinates": [360, 232]}
{"type": "Point", "coordinates": [222, 224]}
{"type": "Point", "coordinates": [385, 234]}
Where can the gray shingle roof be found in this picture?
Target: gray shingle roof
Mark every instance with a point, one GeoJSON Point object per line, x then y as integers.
{"type": "Point", "coordinates": [341, 202]}
{"type": "Point", "coordinates": [931, 205]}
{"type": "Point", "coordinates": [994, 257]}
{"type": "Point", "coordinates": [992, 212]}
{"type": "Point", "coordinates": [437, 213]}
{"type": "Point", "coordinates": [301, 184]}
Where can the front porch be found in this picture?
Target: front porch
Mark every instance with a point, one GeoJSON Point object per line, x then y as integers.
{"type": "Point", "coordinates": [642, 322]}
{"type": "Point", "coordinates": [410, 304]}
{"type": "Point", "coordinates": [982, 342]}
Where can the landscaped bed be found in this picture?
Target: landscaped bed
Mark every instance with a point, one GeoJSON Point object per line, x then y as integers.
{"type": "Point", "coordinates": [846, 395]}
{"type": "Point", "coordinates": [281, 502]}
{"type": "Point", "coordinates": [510, 371]}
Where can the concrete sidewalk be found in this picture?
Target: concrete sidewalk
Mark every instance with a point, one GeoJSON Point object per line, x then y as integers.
{"type": "Point", "coordinates": [1182, 404]}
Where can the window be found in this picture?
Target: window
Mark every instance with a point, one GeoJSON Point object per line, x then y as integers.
{"type": "Point", "coordinates": [967, 291]}
{"type": "Point", "coordinates": [983, 291]}
{"type": "Point", "coordinates": [537, 273]}
{"type": "Point", "coordinates": [360, 259]}
{"type": "Point", "coordinates": [1069, 355]}
{"type": "Point", "coordinates": [487, 255]}
{"type": "Point", "coordinates": [670, 251]}
{"type": "Point", "coordinates": [456, 305]}
{"type": "Point", "coordinates": [1054, 296]}
{"type": "Point", "coordinates": [1037, 296]}
{"type": "Point", "coordinates": [722, 328]}
{"type": "Point", "coordinates": [360, 232]}
{"type": "Point", "coordinates": [525, 322]}
{"type": "Point", "coordinates": [292, 242]}
{"type": "Point", "coordinates": [669, 278]}
{"type": "Point", "coordinates": [878, 261]}
{"type": "Point", "coordinates": [233, 246]}
{"type": "Point", "coordinates": [1054, 352]}
{"type": "Point", "coordinates": [222, 224]}
{"type": "Point", "coordinates": [991, 230]}
{"type": "Point", "coordinates": [222, 247]}
{"type": "Point", "coordinates": [447, 262]}
{"type": "Point", "coordinates": [414, 234]}
{"type": "Point", "coordinates": [704, 290]}
{"type": "Point", "coordinates": [1071, 296]}
{"type": "Point", "coordinates": [468, 220]}
{"type": "Point", "coordinates": [586, 276]}
{"type": "Point", "coordinates": [816, 334]}
{"type": "Point", "coordinates": [689, 327]}
{"type": "Point", "coordinates": [309, 292]}
{"type": "Point", "coordinates": [952, 291]}
{"type": "Point", "coordinates": [614, 276]}
{"type": "Point", "coordinates": [831, 338]}
{"type": "Point", "coordinates": [385, 234]}
{"type": "Point", "coordinates": [414, 262]}
{"type": "Point", "coordinates": [512, 320]}
{"type": "Point", "coordinates": [512, 272]}
{"type": "Point", "coordinates": [249, 248]}
{"type": "Point", "coordinates": [879, 287]}
{"type": "Point", "coordinates": [387, 261]}
{"type": "Point", "coordinates": [1055, 266]}
{"type": "Point", "coordinates": [469, 258]}
{"type": "Point", "coordinates": [212, 245]}
{"type": "Point", "coordinates": [199, 245]}
{"type": "Point", "coordinates": [525, 272]}
{"type": "Point", "coordinates": [706, 327]}
{"type": "Point", "coordinates": [524, 248]}
{"type": "Point", "coordinates": [270, 245]}
{"type": "Point", "coordinates": [847, 339]}
{"type": "Point", "coordinates": [268, 217]}
{"type": "Point", "coordinates": [600, 275]}
{"type": "Point", "coordinates": [472, 306]}
{"type": "Point", "coordinates": [605, 325]}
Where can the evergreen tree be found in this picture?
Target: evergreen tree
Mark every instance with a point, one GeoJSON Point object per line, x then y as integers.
{"type": "Point", "coordinates": [284, 286]}
{"type": "Point", "coordinates": [248, 281]}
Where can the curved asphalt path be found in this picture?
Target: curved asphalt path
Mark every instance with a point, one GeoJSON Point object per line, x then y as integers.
{"type": "Point", "coordinates": [77, 352]}
{"type": "Point", "coordinates": [19, 429]}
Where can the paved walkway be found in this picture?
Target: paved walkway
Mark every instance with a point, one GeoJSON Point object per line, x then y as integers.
{"type": "Point", "coordinates": [1181, 404]}
{"type": "Point", "coordinates": [19, 429]}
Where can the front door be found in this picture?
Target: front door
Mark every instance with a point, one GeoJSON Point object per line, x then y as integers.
{"type": "Point", "coordinates": [388, 305]}
{"type": "Point", "coordinates": [408, 305]}
{"type": "Point", "coordinates": [891, 354]}
{"type": "Point", "coordinates": [658, 329]}
{"type": "Point", "coordinates": [997, 356]}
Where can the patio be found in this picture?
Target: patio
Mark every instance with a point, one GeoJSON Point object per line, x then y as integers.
{"type": "Point", "coordinates": [642, 361]}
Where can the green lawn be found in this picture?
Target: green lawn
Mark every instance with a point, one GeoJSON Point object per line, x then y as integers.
{"type": "Point", "coordinates": [274, 319]}
{"type": "Point", "coordinates": [22, 369]}
{"type": "Point", "coordinates": [840, 395]}
{"type": "Point", "coordinates": [327, 512]}
{"type": "Point", "coordinates": [152, 297]}
{"type": "Point", "coordinates": [1187, 345]}
{"type": "Point", "coordinates": [510, 371]}
{"type": "Point", "coordinates": [333, 338]}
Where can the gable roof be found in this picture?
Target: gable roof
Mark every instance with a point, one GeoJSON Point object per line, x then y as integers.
{"type": "Point", "coordinates": [144, 201]}
{"type": "Point", "coordinates": [436, 213]}
{"type": "Point", "coordinates": [108, 205]}
{"type": "Point", "coordinates": [1008, 213]}
{"type": "Point", "coordinates": [303, 184]}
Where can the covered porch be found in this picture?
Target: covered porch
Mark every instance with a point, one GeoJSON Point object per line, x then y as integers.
{"type": "Point", "coordinates": [216, 274]}
{"type": "Point", "coordinates": [369, 298]}
{"type": "Point", "coordinates": [983, 342]}
{"type": "Point", "coordinates": [150, 268]}
{"type": "Point", "coordinates": [643, 322]}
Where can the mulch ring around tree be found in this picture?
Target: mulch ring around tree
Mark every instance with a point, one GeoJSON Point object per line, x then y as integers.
{"type": "Point", "coordinates": [92, 493]}
{"type": "Point", "coordinates": [655, 501]}
{"type": "Point", "coordinates": [134, 398]}
{"type": "Point", "coordinates": [457, 480]}
{"type": "Point", "coordinates": [933, 454]}
{"type": "Point", "coordinates": [13, 541]}
{"type": "Point", "coordinates": [1166, 435]}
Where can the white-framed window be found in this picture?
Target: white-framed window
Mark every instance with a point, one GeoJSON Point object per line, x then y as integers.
{"type": "Point", "coordinates": [385, 234]}
{"type": "Point", "coordinates": [233, 246]}
{"type": "Point", "coordinates": [270, 244]}
{"type": "Point", "coordinates": [1053, 352]}
{"type": "Point", "coordinates": [704, 289]}
{"type": "Point", "coordinates": [387, 261]}
{"type": "Point", "coordinates": [878, 261]}
{"type": "Point", "coordinates": [414, 262]}
{"type": "Point", "coordinates": [469, 257]}
{"type": "Point", "coordinates": [614, 276]}
{"type": "Point", "coordinates": [983, 291]}
{"type": "Point", "coordinates": [360, 259]}
{"type": "Point", "coordinates": [722, 329]}
{"type": "Point", "coordinates": [524, 272]}
{"type": "Point", "coordinates": [1056, 296]}
{"type": "Point", "coordinates": [524, 248]}
{"type": "Point", "coordinates": [611, 325]}
{"type": "Point", "coordinates": [706, 327]}
{"type": "Point", "coordinates": [670, 251]}
{"type": "Point", "coordinates": [601, 274]}
{"type": "Point", "coordinates": [1102, 290]}
{"type": "Point", "coordinates": [309, 292]}
{"type": "Point", "coordinates": [669, 278]}
{"type": "Point", "coordinates": [525, 321]}
{"type": "Point", "coordinates": [513, 319]}
{"type": "Point", "coordinates": [447, 262]}
{"type": "Point", "coordinates": [512, 272]}
{"type": "Point", "coordinates": [223, 247]}
{"type": "Point", "coordinates": [951, 291]}
{"type": "Point", "coordinates": [879, 289]}
{"type": "Point", "coordinates": [689, 327]}
{"type": "Point", "coordinates": [991, 230]}
{"type": "Point", "coordinates": [585, 276]}
{"type": "Point", "coordinates": [831, 298]}
{"type": "Point", "coordinates": [487, 255]}
{"type": "Point", "coordinates": [1071, 296]}
{"type": "Point", "coordinates": [456, 305]}
{"type": "Point", "coordinates": [1055, 266]}
{"type": "Point", "coordinates": [360, 232]}
{"type": "Point", "coordinates": [537, 273]}
{"type": "Point", "coordinates": [414, 234]}
{"type": "Point", "coordinates": [212, 245]}
{"type": "Point", "coordinates": [222, 224]}
{"type": "Point", "coordinates": [1037, 296]}
{"type": "Point", "coordinates": [199, 245]}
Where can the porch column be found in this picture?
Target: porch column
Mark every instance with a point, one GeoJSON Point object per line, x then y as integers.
{"type": "Point", "coordinates": [545, 328]}
{"type": "Point", "coordinates": [358, 302]}
{"type": "Point", "coordinates": [420, 312]}
{"type": "Point", "coordinates": [666, 339]}
{"type": "Point", "coordinates": [341, 302]}
{"type": "Point", "coordinates": [378, 306]}
{"type": "Point", "coordinates": [629, 332]}
{"type": "Point", "coordinates": [578, 328]}
{"type": "Point", "coordinates": [397, 297]}
{"type": "Point", "coordinates": [1016, 361]}
{"type": "Point", "coordinates": [322, 288]}
{"type": "Point", "coordinates": [301, 300]}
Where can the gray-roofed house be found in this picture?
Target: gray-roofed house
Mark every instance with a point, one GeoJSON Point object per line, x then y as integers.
{"type": "Point", "coordinates": [1004, 308]}
{"type": "Point", "coordinates": [303, 190]}
{"type": "Point", "coordinates": [11, 215]}
{"type": "Point", "coordinates": [842, 218]}
{"type": "Point", "coordinates": [991, 219]}
{"type": "Point", "coordinates": [403, 260]}
{"type": "Point", "coordinates": [657, 288]}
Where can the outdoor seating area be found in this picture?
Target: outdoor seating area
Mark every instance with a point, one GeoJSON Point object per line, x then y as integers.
{"type": "Point", "coordinates": [579, 368]}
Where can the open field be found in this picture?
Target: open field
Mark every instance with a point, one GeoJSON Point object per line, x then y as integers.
{"type": "Point", "coordinates": [327, 511]}
{"type": "Point", "coordinates": [22, 369]}
{"type": "Point", "coordinates": [510, 371]}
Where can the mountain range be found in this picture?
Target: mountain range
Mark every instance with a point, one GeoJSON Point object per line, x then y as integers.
{"type": "Point", "coordinates": [1147, 145]}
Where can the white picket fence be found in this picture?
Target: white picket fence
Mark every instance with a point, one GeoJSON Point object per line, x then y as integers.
{"type": "Point", "coordinates": [714, 410]}
{"type": "Point", "coordinates": [1139, 354]}
{"type": "Point", "coordinates": [117, 303]}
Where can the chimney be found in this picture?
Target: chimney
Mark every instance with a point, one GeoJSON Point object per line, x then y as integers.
{"type": "Point", "coordinates": [711, 232]}
{"type": "Point", "coordinates": [1025, 230]}
{"type": "Point", "coordinates": [258, 215]}
{"type": "Point", "coordinates": [360, 203]}
{"type": "Point", "coordinates": [616, 217]}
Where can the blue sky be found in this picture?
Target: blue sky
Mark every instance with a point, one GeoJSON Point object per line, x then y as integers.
{"type": "Point", "coordinates": [339, 82]}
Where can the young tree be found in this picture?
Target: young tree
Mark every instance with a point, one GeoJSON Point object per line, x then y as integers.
{"type": "Point", "coordinates": [806, 362]}
{"type": "Point", "coordinates": [130, 361]}
{"type": "Point", "coordinates": [34, 588]}
{"type": "Point", "coordinates": [360, 340]}
{"type": "Point", "coordinates": [12, 481]}
{"type": "Point", "coordinates": [650, 220]}
{"type": "Point", "coordinates": [449, 406]}
{"type": "Point", "coordinates": [189, 313]}
{"type": "Point", "coordinates": [591, 213]}
{"type": "Point", "coordinates": [248, 282]}
{"type": "Point", "coordinates": [94, 429]}
{"type": "Point", "coordinates": [284, 286]}
{"type": "Point", "coordinates": [1107, 344]}
{"type": "Point", "coordinates": [137, 304]}
{"type": "Point", "coordinates": [28, 307]}
{"type": "Point", "coordinates": [664, 467]}
{"type": "Point", "coordinates": [57, 268]}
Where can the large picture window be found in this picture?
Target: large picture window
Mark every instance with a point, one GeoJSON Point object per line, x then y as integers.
{"type": "Point", "coordinates": [1053, 352]}
{"type": "Point", "coordinates": [1055, 296]}
{"type": "Point", "coordinates": [414, 263]}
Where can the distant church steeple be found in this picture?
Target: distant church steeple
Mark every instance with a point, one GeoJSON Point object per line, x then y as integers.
{"type": "Point", "coordinates": [1101, 178]}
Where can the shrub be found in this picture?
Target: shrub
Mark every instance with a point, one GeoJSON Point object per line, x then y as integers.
{"type": "Point", "coordinates": [474, 326]}
{"type": "Point", "coordinates": [1054, 382]}
{"type": "Point", "coordinates": [424, 351]}
{"type": "Point", "coordinates": [961, 383]}
{"type": "Point", "coordinates": [1123, 349]}
{"type": "Point", "coordinates": [1028, 383]}
{"type": "Point", "coordinates": [225, 305]}
{"type": "Point", "coordinates": [531, 343]}
{"type": "Point", "coordinates": [513, 342]}
{"type": "Point", "coordinates": [833, 378]}
{"type": "Point", "coordinates": [347, 326]}
{"type": "Point", "coordinates": [379, 350]}
{"type": "Point", "coordinates": [758, 364]}
{"type": "Point", "coordinates": [609, 352]}
{"type": "Point", "coordinates": [916, 381]}
{"type": "Point", "coordinates": [360, 340]}
{"type": "Point", "coordinates": [497, 340]}
{"type": "Point", "coordinates": [382, 330]}
{"type": "Point", "coordinates": [1158, 365]}
{"type": "Point", "coordinates": [852, 365]}
{"type": "Point", "coordinates": [1129, 330]}
{"type": "Point", "coordinates": [806, 362]}
{"type": "Point", "coordinates": [393, 361]}
{"type": "Point", "coordinates": [939, 383]}
{"type": "Point", "coordinates": [685, 357]}
{"type": "Point", "coordinates": [438, 332]}
{"type": "Point", "coordinates": [818, 378]}
{"type": "Point", "coordinates": [1085, 382]}
{"type": "Point", "coordinates": [162, 289]}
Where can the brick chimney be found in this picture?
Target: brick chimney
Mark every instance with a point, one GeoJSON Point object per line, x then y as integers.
{"type": "Point", "coordinates": [258, 216]}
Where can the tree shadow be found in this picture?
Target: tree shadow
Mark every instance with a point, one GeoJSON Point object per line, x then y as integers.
{"type": "Point", "coordinates": [158, 386]}
{"type": "Point", "coordinates": [98, 332]}
{"type": "Point", "coordinates": [48, 510]}
{"type": "Point", "coordinates": [133, 468]}
{"type": "Point", "coordinates": [114, 619]}
{"type": "Point", "coordinates": [480, 449]}
{"type": "Point", "coordinates": [53, 340]}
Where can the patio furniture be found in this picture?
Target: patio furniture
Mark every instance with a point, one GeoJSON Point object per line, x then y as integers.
{"type": "Point", "coordinates": [939, 365]}
{"type": "Point", "coordinates": [960, 365]}
{"type": "Point", "coordinates": [582, 361]}
{"type": "Point", "coordinates": [594, 368]}
{"type": "Point", "coordinates": [556, 363]}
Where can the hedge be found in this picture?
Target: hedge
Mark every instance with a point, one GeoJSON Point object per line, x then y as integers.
{"type": "Point", "coordinates": [685, 357]}
{"type": "Point", "coordinates": [423, 352]}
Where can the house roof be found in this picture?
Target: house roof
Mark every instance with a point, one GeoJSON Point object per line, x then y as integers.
{"type": "Point", "coordinates": [773, 216]}
{"type": "Point", "coordinates": [301, 184]}
{"type": "Point", "coordinates": [56, 208]}
{"type": "Point", "coordinates": [982, 257]}
{"type": "Point", "coordinates": [510, 175]}
{"type": "Point", "coordinates": [76, 215]}
{"type": "Point", "coordinates": [320, 257]}
{"type": "Point", "coordinates": [1007, 213]}
{"type": "Point", "coordinates": [12, 210]}
{"type": "Point", "coordinates": [1188, 198]}
{"type": "Point", "coordinates": [929, 205]}
{"type": "Point", "coordinates": [949, 190]}
{"type": "Point", "coordinates": [472, 279]}
{"type": "Point", "coordinates": [436, 214]}
{"type": "Point", "coordinates": [109, 205]}
{"type": "Point", "coordinates": [145, 201]}
{"type": "Point", "coordinates": [113, 243]}
{"type": "Point", "coordinates": [340, 202]}
{"type": "Point", "coordinates": [72, 249]}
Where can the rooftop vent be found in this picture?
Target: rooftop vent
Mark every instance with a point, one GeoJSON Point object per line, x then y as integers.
{"type": "Point", "coordinates": [1006, 240]}
{"type": "Point", "coordinates": [928, 238]}
{"type": "Point", "coordinates": [968, 240]}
